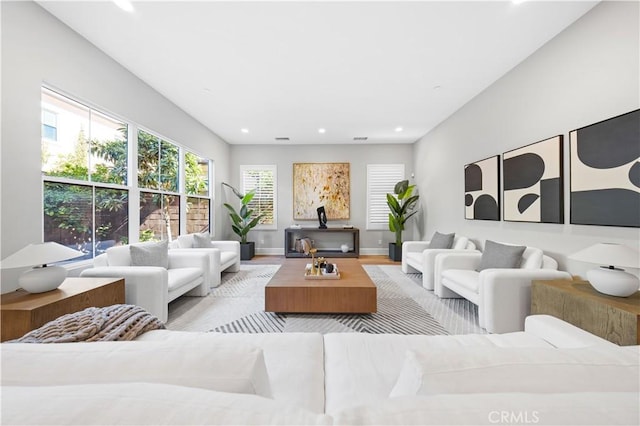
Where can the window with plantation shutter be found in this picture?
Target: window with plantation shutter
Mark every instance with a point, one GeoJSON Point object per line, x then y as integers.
{"type": "Point", "coordinates": [262, 179]}
{"type": "Point", "coordinates": [381, 179]}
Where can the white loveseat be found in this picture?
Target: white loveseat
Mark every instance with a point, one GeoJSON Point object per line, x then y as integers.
{"type": "Point", "coordinates": [503, 296]}
{"type": "Point", "coordinates": [418, 257]}
{"type": "Point", "coordinates": [552, 372]}
{"type": "Point", "coordinates": [153, 287]}
{"type": "Point", "coordinates": [223, 255]}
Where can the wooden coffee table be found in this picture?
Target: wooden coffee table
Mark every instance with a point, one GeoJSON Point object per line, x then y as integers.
{"type": "Point", "coordinates": [288, 291]}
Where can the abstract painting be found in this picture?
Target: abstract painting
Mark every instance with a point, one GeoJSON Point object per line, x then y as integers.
{"type": "Point", "coordinates": [321, 184]}
{"type": "Point", "coordinates": [481, 189]}
{"type": "Point", "coordinates": [532, 182]}
{"type": "Point", "coordinates": [605, 172]}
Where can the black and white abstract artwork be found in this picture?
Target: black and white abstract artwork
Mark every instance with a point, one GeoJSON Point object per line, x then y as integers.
{"type": "Point", "coordinates": [481, 189]}
{"type": "Point", "coordinates": [605, 172]}
{"type": "Point", "coordinates": [532, 182]}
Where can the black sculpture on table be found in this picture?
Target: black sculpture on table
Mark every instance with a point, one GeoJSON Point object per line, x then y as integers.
{"type": "Point", "coordinates": [322, 217]}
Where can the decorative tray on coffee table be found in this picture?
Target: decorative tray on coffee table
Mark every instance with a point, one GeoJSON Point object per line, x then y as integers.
{"type": "Point", "coordinates": [335, 275]}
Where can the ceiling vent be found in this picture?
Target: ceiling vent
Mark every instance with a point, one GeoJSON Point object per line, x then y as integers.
{"type": "Point", "coordinates": [282, 139]}
{"type": "Point", "coordinates": [360, 138]}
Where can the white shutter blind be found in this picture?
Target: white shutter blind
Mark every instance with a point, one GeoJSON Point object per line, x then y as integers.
{"type": "Point", "coordinates": [381, 179]}
{"type": "Point", "coordinates": [262, 179]}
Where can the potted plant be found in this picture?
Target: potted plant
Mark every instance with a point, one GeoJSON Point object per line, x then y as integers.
{"type": "Point", "coordinates": [243, 221]}
{"type": "Point", "coordinates": [402, 205]}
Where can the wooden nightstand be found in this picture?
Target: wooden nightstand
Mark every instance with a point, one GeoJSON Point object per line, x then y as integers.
{"type": "Point", "coordinates": [23, 311]}
{"type": "Point", "coordinates": [616, 319]}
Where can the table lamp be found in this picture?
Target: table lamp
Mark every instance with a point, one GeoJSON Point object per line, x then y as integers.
{"type": "Point", "coordinates": [609, 279]}
{"type": "Point", "coordinates": [41, 277]}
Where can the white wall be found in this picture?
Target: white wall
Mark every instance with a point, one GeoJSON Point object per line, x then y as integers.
{"type": "Point", "coordinates": [37, 49]}
{"type": "Point", "coordinates": [283, 156]}
{"type": "Point", "coordinates": [586, 74]}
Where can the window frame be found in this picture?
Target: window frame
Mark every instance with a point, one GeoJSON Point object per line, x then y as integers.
{"type": "Point", "coordinates": [263, 168]}
{"type": "Point", "coordinates": [385, 176]}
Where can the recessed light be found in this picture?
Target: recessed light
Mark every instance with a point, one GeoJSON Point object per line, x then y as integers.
{"type": "Point", "coordinates": [360, 138]}
{"type": "Point", "coordinates": [244, 130]}
{"type": "Point", "coordinates": [124, 5]}
{"type": "Point", "coordinates": [437, 87]}
{"type": "Point", "coordinates": [282, 138]}
{"type": "Point", "coordinates": [399, 129]}
{"type": "Point", "coordinates": [321, 130]}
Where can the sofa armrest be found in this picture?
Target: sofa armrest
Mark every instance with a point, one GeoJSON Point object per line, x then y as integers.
{"type": "Point", "coordinates": [411, 247]}
{"type": "Point", "coordinates": [465, 259]}
{"type": "Point", "coordinates": [145, 286]}
{"type": "Point", "coordinates": [233, 246]}
{"type": "Point", "coordinates": [561, 334]}
{"type": "Point", "coordinates": [429, 264]}
{"type": "Point", "coordinates": [100, 260]}
{"type": "Point", "coordinates": [193, 258]}
{"type": "Point", "coordinates": [505, 296]}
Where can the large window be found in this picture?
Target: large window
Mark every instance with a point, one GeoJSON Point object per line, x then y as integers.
{"type": "Point", "coordinates": [262, 179]}
{"type": "Point", "coordinates": [158, 170]}
{"type": "Point", "coordinates": [381, 180]}
{"type": "Point", "coordinates": [84, 164]}
{"type": "Point", "coordinates": [87, 168]}
{"type": "Point", "coordinates": [196, 177]}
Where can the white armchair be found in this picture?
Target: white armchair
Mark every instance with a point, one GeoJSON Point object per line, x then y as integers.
{"type": "Point", "coordinates": [223, 255]}
{"type": "Point", "coordinates": [503, 295]}
{"type": "Point", "coordinates": [418, 257]}
{"type": "Point", "coordinates": [153, 287]}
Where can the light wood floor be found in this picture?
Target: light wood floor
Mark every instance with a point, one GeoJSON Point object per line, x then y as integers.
{"type": "Point", "coordinates": [276, 260]}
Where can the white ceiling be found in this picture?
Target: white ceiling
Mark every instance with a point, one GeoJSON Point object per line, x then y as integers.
{"type": "Point", "coordinates": [286, 69]}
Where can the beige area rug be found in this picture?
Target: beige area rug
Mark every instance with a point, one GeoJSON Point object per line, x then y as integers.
{"type": "Point", "coordinates": [404, 307]}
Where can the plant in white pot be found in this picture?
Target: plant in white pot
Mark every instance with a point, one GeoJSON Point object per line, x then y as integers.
{"type": "Point", "coordinates": [243, 221]}
{"type": "Point", "coordinates": [402, 204]}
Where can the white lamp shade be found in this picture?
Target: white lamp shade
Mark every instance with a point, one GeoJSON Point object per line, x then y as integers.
{"type": "Point", "coordinates": [609, 254]}
{"type": "Point", "coordinates": [39, 254]}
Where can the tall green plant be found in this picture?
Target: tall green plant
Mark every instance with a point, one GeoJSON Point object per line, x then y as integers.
{"type": "Point", "coordinates": [402, 205]}
{"type": "Point", "coordinates": [242, 220]}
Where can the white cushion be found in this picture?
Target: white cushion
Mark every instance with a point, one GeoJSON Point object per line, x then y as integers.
{"type": "Point", "coordinates": [414, 257]}
{"type": "Point", "coordinates": [202, 240]}
{"type": "Point", "coordinates": [119, 256]}
{"type": "Point", "coordinates": [518, 370]}
{"type": "Point", "coordinates": [182, 276]}
{"type": "Point", "coordinates": [607, 408]}
{"type": "Point", "coordinates": [150, 254]}
{"type": "Point", "coordinates": [145, 404]}
{"type": "Point", "coordinates": [465, 277]}
{"type": "Point", "coordinates": [185, 241]}
{"type": "Point", "coordinates": [210, 364]}
{"type": "Point", "coordinates": [227, 256]}
{"type": "Point", "coordinates": [294, 361]}
{"type": "Point", "coordinates": [531, 258]}
{"type": "Point", "coordinates": [460, 243]}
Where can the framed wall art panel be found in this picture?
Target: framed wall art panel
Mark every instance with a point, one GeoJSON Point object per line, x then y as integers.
{"type": "Point", "coordinates": [481, 189]}
{"type": "Point", "coordinates": [605, 172]}
{"type": "Point", "coordinates": [321, 184]}
{"type": "Point", "coordinates": [532, 183]}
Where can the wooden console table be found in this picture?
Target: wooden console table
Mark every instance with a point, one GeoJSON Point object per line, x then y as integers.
{"type": "Point", "coordinates": [327, 241]}
{"type": "Point", "coordinates": [22, 312]}
{"type": "Point", "coordinates": [616, 319]}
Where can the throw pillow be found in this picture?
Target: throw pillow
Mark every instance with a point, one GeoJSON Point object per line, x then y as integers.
{"type": "Point", "coordinates": [441, 241]}
{"type": "Point", "coordinates": [202, 240]}
{"type": "Point", "coordinates": [150, 254]}
{"type": "Point", "coordinates": [496, 255]}
{"type": "Point", "coordinates": [528, 370]}
{"type": "Point", "coordinates": [214, 364]}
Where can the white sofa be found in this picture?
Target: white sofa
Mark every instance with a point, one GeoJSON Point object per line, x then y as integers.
{"type": "Point", "coordinates": [418, 257]}
{"type": "Point", "coordinates": [223, 255]}
{"type": "Point", "coordinates": [340, 378]}
{"type": "Point", "coordinates": [153, 287]}
{"type": "Point", "coordinates": [503, 296]}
